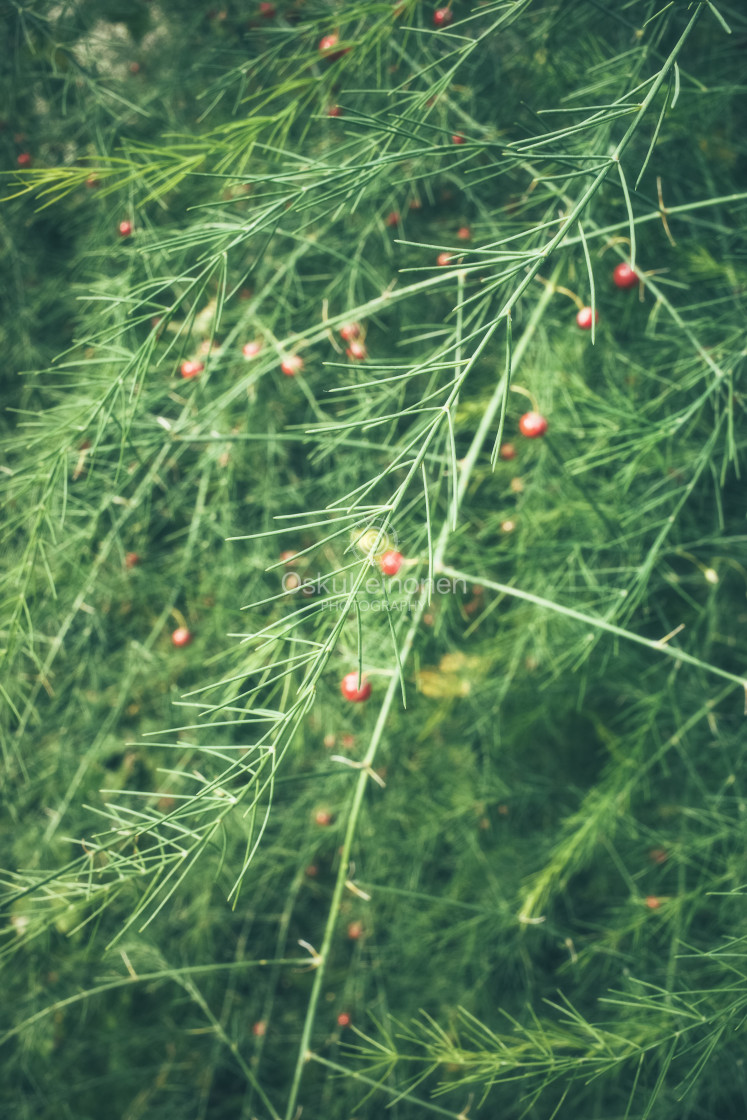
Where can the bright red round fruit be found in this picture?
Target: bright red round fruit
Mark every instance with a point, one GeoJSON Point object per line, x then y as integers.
{"type": "Point", "coordinates": [350, 690]}
{"type": "Point", "coordinates": [457, 139]}
{"type": "Point", "coordinates": [334, 111]}
{"type": "Point", "coordinates": [181, 637]}
{"type": "Point", "coordinates": [507, 451]}
{"type": "Point", "coordinates": [131, 559]}
{"type": "Point", "coordinates": [357, 351]}
{"type": "Point", "coordinates": [585, 318]}
{"type": "Point", "coordinates": [464, 233]}
{"type": "Point", "coordinates": [191, 369]}
{"type": "Point", "coordinates": [24, 159]}
{"type": "Point", "coordinates": [266, 9]}
{"type": "Point", "coordinates": [391, 562]}
{"type": "Point", "coordinates": [323, 818]}
{"type": "Point", "coordinates": [349, 331]}
{"type": "Point", "coordinates": [442, 17]}
{"type": "Point", "coordinates": [125, 228]}
{"type": "Point", "coordinates": [343, 1019]}
{"type": "Point", "coordinates": [532, 425]}
{"type": "Point", "coordinates": [251, 349]}
{"type": "Point", "coordinates": [444, 259]}
{"type": "Point", "coordinates": [292, 365]}
{"type": "Point", "coordinates": [624, 276]}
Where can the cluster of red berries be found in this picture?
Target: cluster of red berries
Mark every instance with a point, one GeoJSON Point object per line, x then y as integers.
{"type": "Point", "coordinates": [356, 348]}
{"type": "Point", "coordinates": [533, 424]}
{"type": "Point", "coordinates": [623, 276]}
{"type": "Point", "coordinates": [353, 687]}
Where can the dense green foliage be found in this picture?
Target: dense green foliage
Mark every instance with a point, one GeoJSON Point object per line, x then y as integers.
{"type": "Point", "coordinates": [511, 882]}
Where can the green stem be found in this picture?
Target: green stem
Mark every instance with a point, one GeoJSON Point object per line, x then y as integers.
{"type": "Point", "coordinates": [597, 623]}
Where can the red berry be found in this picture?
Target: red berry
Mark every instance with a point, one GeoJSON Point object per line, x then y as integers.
{"type": "Point", "coordinates": [259, 1029]}
{"type": "Point", "coordinates": [334, 111]}
{"type": "Point", "coordinates": [292, 365]}
{"type": "Point", "coordinates": [266, 10]}
{"type": "Point", "coordinates": [585, 318]}
{"type": "Point", "coordinates": [653, 902]}
{"type": "Point", "coordinates": [328, 44]}
{"type": "Point", "coordinates": [391, 562]}
{"type": "Point", "coordinates": [349, 331]}
{"type": "Point", "coordinates": [507, 451]}
{"type": "Point", "coordinates": [442, 17]}
{"type": "Point", "coordinates": [457, 139]}
{"type": "Point", "coordinates": [323, 818]}
{"type": "Point", "coordinates": [532, 425]}
{"type": "Point", "coordinates": [658, 855]}
{"type": "Point", "coordinates": [131, 560]}
{"type": "Point", "coordinates": [444, 259]}
{"type": "Point", "coordinates": [24, 159]}
{"type": "Point", "coordinates": [464, 233]}
{"type": "Point", "coordinates": [191, 369]}
{"type": "Point", "coordinates": [343, 1019]}
{"type": "Point", "coordinates": [181, 637]}
{"type": "Point", "coordinates": [251, 349]}
{"type": "Point", "coordinates": [125, 228]}
{"type": "Point", "coordinates": [355, 930]}
{"type": "Point", "coordinates": [624, 276]}
{"type": "Point", "coordinates": [351, 691]}
{"type": "Point", "coordinates": [392, 219]}
{"type": "Point", "coordinates": [357, 351]}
